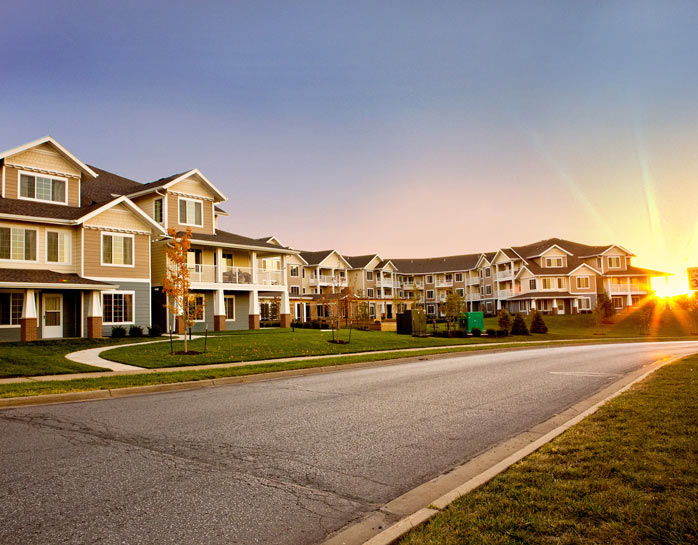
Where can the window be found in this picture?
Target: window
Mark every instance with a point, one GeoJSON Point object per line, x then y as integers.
{"type": "Point", "coordinates": [430, 279]}
{"type": "Point", "coordinates": [599, 263]}
{"type": "Point", "coordinates": [157, 210]}
{"type": "Point", "coordinates": [117, 250]}
{"type": "Point", "coordinates": [17, 244]}
{"type": "Point", "coordinates": [582, 282]}
{"type": "Point", "coordinates": [554, 262]}
{"type": "Point", "coordinates": [369, 275]}
{"type": "Point", "coordinates": [584, 303]}
{"type": "Point", "coordinates": [532, 284]}
{"type": "Point", "coordinates": [271, 264]}
{"type": "Point", "coordinates": [58, 245]}
{"type": "Point", "coordinates": [11, 308]}
{"type": "Point", "coordinates": [196, 306]}
{"type": "Point", "coordinates": [117, 308]}
{"type": "Point", "coordinates": [547, 283]}
{"type": "Point", "coordinates": [372, 310]}
{"type": "Point", "coordinates": [369, 292]}
{"type": "Point", "coordinates": [614, 262]}
{"type": "Point", "coordinates": [42, 188]}
{"type": "Point", "coordinates": [191, 212]}
{"type": "Point", "coordinates": [488, 290]}
{"type": "Point", "coordinates": [488, 272]}
{"type": "Point", "coordinates": [295, 271]}
{"type": "Point", "coordinates": [295, 290]}
{"type": "Point", "coordinates": [561, 283]}
{"type": "Point", "coordinates": [229, 301]}
{"type": "Point", "coordinates": [430, 294]}
{"type": "Point", "coordinates": [449, 278]}
{"type": "Point", "coordinates": [459, 277]}
{"type": "Point", "coordinates": [460, 291]}
{"type": "Point", "coordinates": [617, 302]}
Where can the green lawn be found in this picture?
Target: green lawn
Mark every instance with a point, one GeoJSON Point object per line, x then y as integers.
{"type": "Point", "coordinates": [47, 357]}
{"type": "Point", "coordinates": [626, 475]}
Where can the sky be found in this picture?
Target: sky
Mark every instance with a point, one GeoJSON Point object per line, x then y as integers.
{"type": "Point", "coordinates": [408, 129]}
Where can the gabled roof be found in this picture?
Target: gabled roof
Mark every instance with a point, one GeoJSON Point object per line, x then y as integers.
{"type": "Point", "coordinates": [54, 143]}
{"type": "Point", "coordinates": [224, 238]}
{"type": "Point", "coordinates": [316, 258]}
{"type": "Point", "coordinates": [535, 249]}
{"type": "Point", "coordinates": [129, 204]}
{"type": "Point", "coordinates": [106, 186]}
{"type": "Point", "coordinates": [360, 261]}
{"type": "Point", "coordinates": [175, 179]}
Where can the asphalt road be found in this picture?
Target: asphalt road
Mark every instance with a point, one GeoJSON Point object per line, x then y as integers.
{"type": "Point", "coordinates": [283, 461]}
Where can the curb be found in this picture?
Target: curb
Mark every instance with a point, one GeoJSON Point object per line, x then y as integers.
{"type": "Point", "coordinates": [419, 505]}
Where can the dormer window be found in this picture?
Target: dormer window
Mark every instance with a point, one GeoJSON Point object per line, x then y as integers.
{"type": "Point", "coordinates": [614, 262]}
{"type": "Point", "coordinates": [551, 262]}
{"type": "Point", "coordinates": [43, 188]}
{"type": "Point", "coordinates": [191, 212]}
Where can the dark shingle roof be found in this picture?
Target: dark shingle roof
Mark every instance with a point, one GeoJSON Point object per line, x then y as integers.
{"type": "Point", "coordinates": [636, 271]}
{"type": "Point", "coordinates": [107, 184]}
{"type": "Point", "coordinates": [43, 210]}
{"type": "Point", "coordinates": [359, 261]}
{"type": "Point", "coordinates": [575, 248]}
{"type": "Point", "coordinates": [436, 264]}
{"type": "Point", "coordinates": [544, 295]}
{"type": "Point", "coordinates": [314, 258]}
{"type": "Point", "coordinates": [45, 277]}
{"type": "Point", "coordinates": [224, 237]}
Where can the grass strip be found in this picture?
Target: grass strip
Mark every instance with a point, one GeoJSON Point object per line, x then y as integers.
{"type": "Point", "coordinates": [171, 377]}
{"type": "Point", "coordinates": [626, 475]}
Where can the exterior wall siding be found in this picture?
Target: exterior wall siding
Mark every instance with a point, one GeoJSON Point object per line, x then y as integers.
{"type": "Point", "coordinates": [141, 302]}
{"type": "Point", "coordinates": [93, 257]}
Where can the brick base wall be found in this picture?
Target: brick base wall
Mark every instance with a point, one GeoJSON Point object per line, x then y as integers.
{"type": "Point", "coordinates": [285, 320]}
{"type": "Point", "coordinates": [29, 329]}
{"type": "Point", "coordinates": [179, 326]}
{"type": "Point", "coordinates": [219, 323]}
{"type": "Point", "coordinates": [94, 327]}
{"type": "Point", "coordinates": [254, 321]}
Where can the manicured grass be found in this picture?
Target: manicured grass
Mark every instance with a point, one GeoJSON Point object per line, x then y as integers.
{"type": "Point", "coordinates": [273, 343]}
{"type": "Point", "coordinates": [47, 357]}
{"type": "Point", "coordinates": [626, 475]}
{"type": "Point", "coordinates": [172, 377]}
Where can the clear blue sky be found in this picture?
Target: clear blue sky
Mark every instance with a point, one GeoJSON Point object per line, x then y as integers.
{"type": "Point", "coordinates": [406, 128]}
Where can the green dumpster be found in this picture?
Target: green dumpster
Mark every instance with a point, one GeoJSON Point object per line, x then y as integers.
{"type": "Point", "coordinates": [470, 320]}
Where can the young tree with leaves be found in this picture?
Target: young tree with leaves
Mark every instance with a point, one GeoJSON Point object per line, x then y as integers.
{"type": "Point", "coordinates": [452, 307]}
{"type": "Point", "coordinates": [604, 309]}
{"type": "Point", "coordinates": [176, 283]}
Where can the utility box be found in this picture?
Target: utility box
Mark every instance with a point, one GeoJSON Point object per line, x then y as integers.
{"type": "Point", "coordinates": [471, 320]}
{"type": "Point", "coordinates": [412, 322]}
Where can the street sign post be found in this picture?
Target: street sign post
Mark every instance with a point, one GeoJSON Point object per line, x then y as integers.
{"type": "Point", "coordinates": [693, 278]}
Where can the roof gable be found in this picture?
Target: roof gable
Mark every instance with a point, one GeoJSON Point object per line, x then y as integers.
{"type": "Point", "coordinates": [52, 143]}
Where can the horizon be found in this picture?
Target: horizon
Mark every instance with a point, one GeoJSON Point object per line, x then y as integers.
{"type": "Point", "coordinates": [410, 131]}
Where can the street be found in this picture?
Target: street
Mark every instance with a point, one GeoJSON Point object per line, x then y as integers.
{"type": "Point", "coordinates": [282, 461]}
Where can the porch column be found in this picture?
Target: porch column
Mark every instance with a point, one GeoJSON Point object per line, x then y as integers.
{"type": "Point", "coordinates": [219, 265]}
{"type": "Point", "coordinates": [284, 272]}
{"type": "Point", "coordinates": [332, 276]}
{"type": "Point", "coordinates": [317, 279]}
{"type": "Point", "coordinates": [219, 310]}
{"type": "Point", "coordinates": [554, 306]}
{"type": "Point", "coordinates": [533, 304]}
{"type": "Point", "coordinates": [94, 315]}
{"type": "Point", "coordinates": [285, 314]}
{"type": "Point", "coordinates": [630, 300]}
{"type": "Point", "coordinates": [254, 309]}
{"type": "Point", "coordinates": [575, 306]}
{"type": "Point", "coordinates": [29, 322]}
{"type": "Point", "coordinates": [253, 267]}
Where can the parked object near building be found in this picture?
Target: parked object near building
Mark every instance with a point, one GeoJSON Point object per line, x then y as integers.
{"type": "Point", "coordinates": [470, 320]}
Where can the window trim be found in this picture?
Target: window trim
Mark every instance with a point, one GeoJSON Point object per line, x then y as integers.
{"type": "Point", "coordinates": [369, 275]}
{"type": "Point", "coordinates": [179, 211]}
{"type": "Point", "coordinates": [101, 249]}
{"type": "Point", "coordinates": [620, 263]}
{"type": "Point", "coordinates": [225, 307]}
{"type": "Point", "coordinates": [429, 296]}
{"type": "Point", "coordinates": [291, 288]}
{"type": "Point", "coordinates": [35, 174]}
{"type": "Point", "coordinates": [162, 210]}
{"type": "Point", "coordinates": [370, 293]}
{"type": "Point", "coordinates": [36, 250]}
{"type": "Point", "coordinates": [11, 293]}
{"type": "Point", "coordinates": [298, 271]}
{"type": "Point", "coordinates": [588, 279]}
{"type": "Point", "coordinates": [550, 258]}
{"type": "Point", "coordinates": [459, 277]}
{"type": "Point", "coordinates": [203, 305]}
{"type": "Point", "coordinates": [70, 246]}
{"type": "Point", "coordinates": [133, 303]}
{"type": "Point", "coordinates": [587, 299]}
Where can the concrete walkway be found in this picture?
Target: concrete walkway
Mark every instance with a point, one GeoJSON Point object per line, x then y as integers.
{"type": "Point", "coordinates": [92, 357]}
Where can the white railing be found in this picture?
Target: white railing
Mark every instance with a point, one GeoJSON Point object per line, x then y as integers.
{"type": "Point", "coordinates": [444, 283]}
{"type": "Point", "coordinates": [473, 297]}
{"type": "Point", "coordinates": [237, 275]}
{"type": "Point", "coordinates": [505, 294]}
{"type": "Point", "coordinates": [202, 273]}
{"type": "Point", "coordinates": [505, 275]}
{"type": "Point", "coordinates": [473, 281]}
{"type": "Point", "coordinates": [270, 278]}
{"type": "Point", "coordinates": [624, 288]}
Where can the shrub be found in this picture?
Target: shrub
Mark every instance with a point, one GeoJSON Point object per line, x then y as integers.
{"type": "Point", "coordinates": [154, 331]}
{"type": "Point", "coordinates": [504, 319]}
{"type": "Point", "coordinates": [118, 332]}
{"type": "Point", "coordinates": [460, 333]}
{"type": "Point", "coordinates": [135, 331]}
{"type": "Point", "coordinates": [476, 332]}
{"type": "Point", "coordinates": [491, 333]}
{"type": "Point", "coordinates": [604, 309]}
{"type": "Point", "coordinates": [315, 324]}
{"type": "Point", "coordinates": [537, 323]}
{"type": "Point", "coordinates": [502, 332]}
{"type": "Point", "coordinates": [518, 327]}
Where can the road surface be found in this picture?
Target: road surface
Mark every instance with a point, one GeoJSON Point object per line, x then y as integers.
{"type": "Point", "coordinates": [282, 461]}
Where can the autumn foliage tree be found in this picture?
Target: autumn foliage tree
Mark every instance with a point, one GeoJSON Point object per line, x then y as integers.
{"type": "Point", "coordinates": [177, 284]}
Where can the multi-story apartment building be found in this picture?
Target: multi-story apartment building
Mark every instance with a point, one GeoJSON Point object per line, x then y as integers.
{"type": "Point", "coordinates": [373, 278]}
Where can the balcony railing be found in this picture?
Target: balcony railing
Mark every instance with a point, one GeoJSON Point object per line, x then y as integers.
{"type": "Point", "coordinates": [505, 294]}
{"type": "Point", "coordinates": [505, 275]}
{"type": "Point", "coordinates": [328, 280]}
{"type": "Point", "coordinates": [624, 288]}
{"type": "Point", "coordinates": [234, 275]}
{"type": "Point", "coordinates": [442, 283]}
{"type": "Point", "coordinates": [473, 281]}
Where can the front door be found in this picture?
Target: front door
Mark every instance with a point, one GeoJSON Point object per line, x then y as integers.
{"type": "Point", "coordinates": [53, 316]}
{"type": "Point", "coordinates": [389, 311]}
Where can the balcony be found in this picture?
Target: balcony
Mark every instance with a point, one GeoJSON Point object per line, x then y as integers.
{"type": "Point", "coordinates": [505, 294]}
{"type": "Point", "coordinates": [233, 275]}
{"type": "Point", "coordinates": [443, 283]}
{"type": "Point", "coordinates": [473, 281]}
{"type": "Point", "coordinates": [473, 297]}
{"type": "Point", "coordinates": [328, 280]}
{"type": "Point", "coordinates": [387, 283]}
{"type": "Point", "coordinates": [505, 275]}
{"type": "Point", "coordinates": [628, 288]}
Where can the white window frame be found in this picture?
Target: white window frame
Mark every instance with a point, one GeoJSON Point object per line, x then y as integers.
{"type": "Point", "coordinates": [70, 246]}
{"type": "Point", "coordinates": [369, 275]}
{"type": "Point", "coordinates": [297, 268]}
{"type": "Point", "coordinates": [488, 290]}
{"type": "Point", "coordinates": [587, 278]}
{"type": "Point", "coordinates": [34, 199]}
{"type": "Point", "coordinates": [488, 272]}
{"type": "Point", "coordinates": [112, 234]}
{"type": "Point", "coordinates": [430, 279]}
{"type": "Point", "coordinates": [550, 281]}
{"type": "Point", "coordinates": [369, 293]}
{"type": "Point", "coordinates": [460, 292]}
{"type": "Point", "coordinates": [226, 298]}
{"type": "Point", "coordinates": [618, 257]}
{"type": "Point", "coordinates": [295, 290]}
{"type": "Point", "coordinates": [430, 292]}
{"type": "Point", "coordinates": [133, 303]}
{"type": "Point", "coordinates": [459, 277]}
{"type": "Point", "coordinates": [548, 265]}
{"type": "Point", "coordinates": [179, 211]}
{"type": "Point", "coordinates": [18, 323]}
{"type": "Point", "coordinates": [36, 252]}
{"type": "Point", "coordinates": [532, 284]}
{"type": "Point", "coordinates": [588, 303]}
{"type": "Point", "coordinates": [203, 305]}
{"type": "Point", "coordinates": [617, 297]}
{"type": "Point", "coordinates": [162, 210]}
